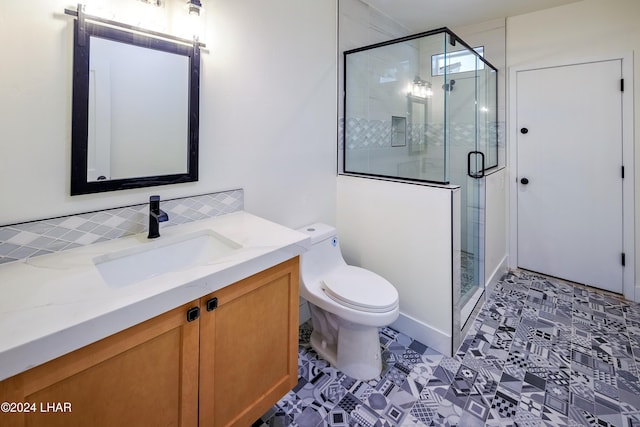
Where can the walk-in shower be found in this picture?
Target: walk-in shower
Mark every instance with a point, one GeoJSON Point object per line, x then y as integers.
{"type": "Point", "coordinates": [423, 109]}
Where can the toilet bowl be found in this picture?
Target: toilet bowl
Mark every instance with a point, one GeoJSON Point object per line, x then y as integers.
{"type": "Point", "coordinates": [348, 304]}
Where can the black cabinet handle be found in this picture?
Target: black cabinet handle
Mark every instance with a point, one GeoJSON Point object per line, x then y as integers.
{"type": "Point", "coordinates": [212, 304]}
{"type": "Point", "coordinates": [524, 181]}
{"type": "Point", "coordinates": [524, 131]}
{"type": "Point", "coordinates": [193, 313]}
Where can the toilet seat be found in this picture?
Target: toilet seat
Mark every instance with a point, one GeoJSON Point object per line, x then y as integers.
{"type": "Point", "coordinates": [360, 289]}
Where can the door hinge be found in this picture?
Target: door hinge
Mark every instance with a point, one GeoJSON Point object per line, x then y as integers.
{"type": "Point", "coordinates": [623, 259]}
{"type": "Point", "coordinates": [621, 85]}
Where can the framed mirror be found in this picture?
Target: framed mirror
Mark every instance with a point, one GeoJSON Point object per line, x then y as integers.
{"type": "Point", "coordinates": [135, 110]}
{"type": "Point", "coordinates": [417, 112]}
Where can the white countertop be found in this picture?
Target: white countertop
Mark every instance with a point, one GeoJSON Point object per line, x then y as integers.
{"type": "Point", "coordinates": [53, 304]}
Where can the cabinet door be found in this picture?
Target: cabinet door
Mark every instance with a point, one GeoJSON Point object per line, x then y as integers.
{"type": "Point", "coordinates": [146, 375]}
{"type": "Point", "coordinates": [249, 347]}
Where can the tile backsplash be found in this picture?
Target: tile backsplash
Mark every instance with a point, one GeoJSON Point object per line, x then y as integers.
{"type": "Point", "coordinates": [34, 238]}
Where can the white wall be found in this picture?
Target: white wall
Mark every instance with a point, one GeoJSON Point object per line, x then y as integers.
{"type": "Point", "coordinates": [578, 31]}
{"type": "Point", "coordinates": [495, 222]}
{"type": "Point", "coordinates": [405, 233]}
{"type": "Point", "coordinates": [267, 112]}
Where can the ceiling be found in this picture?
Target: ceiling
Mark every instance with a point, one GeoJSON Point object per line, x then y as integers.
{"type": "Point", "coordinates": [423, 15]}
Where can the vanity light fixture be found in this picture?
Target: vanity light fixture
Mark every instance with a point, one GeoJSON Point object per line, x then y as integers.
{"type": "Point", "coordinates": [194, 7]}
{"type": "Point", "coordinates": [420, 88]}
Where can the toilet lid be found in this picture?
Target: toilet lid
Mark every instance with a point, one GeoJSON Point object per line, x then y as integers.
{"type": "Point", "coordinates": [360, 289]}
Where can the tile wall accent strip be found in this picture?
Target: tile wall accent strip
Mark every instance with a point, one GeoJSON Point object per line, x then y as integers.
{"type": "Point", "coordinates": [370, 134]}
{"type": "Point", "coordinates": [34, 238]}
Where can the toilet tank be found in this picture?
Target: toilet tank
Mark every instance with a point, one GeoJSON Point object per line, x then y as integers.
{"type": "Point", "coordinates": [324, 254]}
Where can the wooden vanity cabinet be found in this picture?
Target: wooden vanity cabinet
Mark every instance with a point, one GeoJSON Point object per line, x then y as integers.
{"type": "Point", "coordinates": [249, 346]}
{"type": "Point", "coordinates": [146, 375]}
{"type": "Point", "coordinates": [225, 367]}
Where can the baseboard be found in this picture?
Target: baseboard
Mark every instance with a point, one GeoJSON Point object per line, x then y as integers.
{"type": "Point", "coordinates": [433, 337]}
{"type": "Point", "coordinates": [424, 333]}
{"type": "Point", "coordinates": [305, 313]}
{"type": "Point", "coordinates": [497, 274]}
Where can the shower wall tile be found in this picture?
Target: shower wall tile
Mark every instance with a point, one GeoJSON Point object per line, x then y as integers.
{"type": "Point", "coordinates": [366, 133]}
{"type": "Point", "coordinates": [30, 239]}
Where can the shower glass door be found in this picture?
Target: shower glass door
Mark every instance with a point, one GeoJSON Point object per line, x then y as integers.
{"type": "Point", "coordinates": [470, 104]}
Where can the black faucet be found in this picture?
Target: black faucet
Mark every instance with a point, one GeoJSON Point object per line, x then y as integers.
{"type": "Point", "coordinates": [156, 216]}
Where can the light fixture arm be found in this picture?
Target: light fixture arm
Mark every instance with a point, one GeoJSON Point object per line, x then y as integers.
{"type": "Point", "coordinates": [81, 16]}
{"type": "Point", "coordinates": [194, 7]}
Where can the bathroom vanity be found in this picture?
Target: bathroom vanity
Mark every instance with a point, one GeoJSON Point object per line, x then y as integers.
{"type": "Point", "coordinates": [213, 344]}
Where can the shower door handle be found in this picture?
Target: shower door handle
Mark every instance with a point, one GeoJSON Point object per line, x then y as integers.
{"type": "Point", "coordinates": [475, 175]}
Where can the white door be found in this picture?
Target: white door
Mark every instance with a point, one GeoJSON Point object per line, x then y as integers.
{"type": "Point", "coordinates": [569, 172]}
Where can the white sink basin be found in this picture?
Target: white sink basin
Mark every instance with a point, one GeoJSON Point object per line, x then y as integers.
{"type": "Point", "coordinates": [165, 255]}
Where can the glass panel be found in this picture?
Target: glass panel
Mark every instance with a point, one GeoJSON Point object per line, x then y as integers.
{"type": "Point", "coordinates": [456, 62]}
{"type": "Point", "coordinates": [403, 121]}
{"type": "Point", "coordinates": [461, 91]}
{"type": "Point", "coordinates": [472, 256]}
{"type": "Point", "coordinates": [387, 91]}
{"type": "Point", "coordinates": [488, 115]}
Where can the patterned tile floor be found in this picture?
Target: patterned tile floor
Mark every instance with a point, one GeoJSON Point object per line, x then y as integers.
{"type": "Point", "coordinates": [542, 352]}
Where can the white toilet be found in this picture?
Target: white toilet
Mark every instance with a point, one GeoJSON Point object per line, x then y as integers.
{"type": "Point", "coordinates": [348, 304]}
